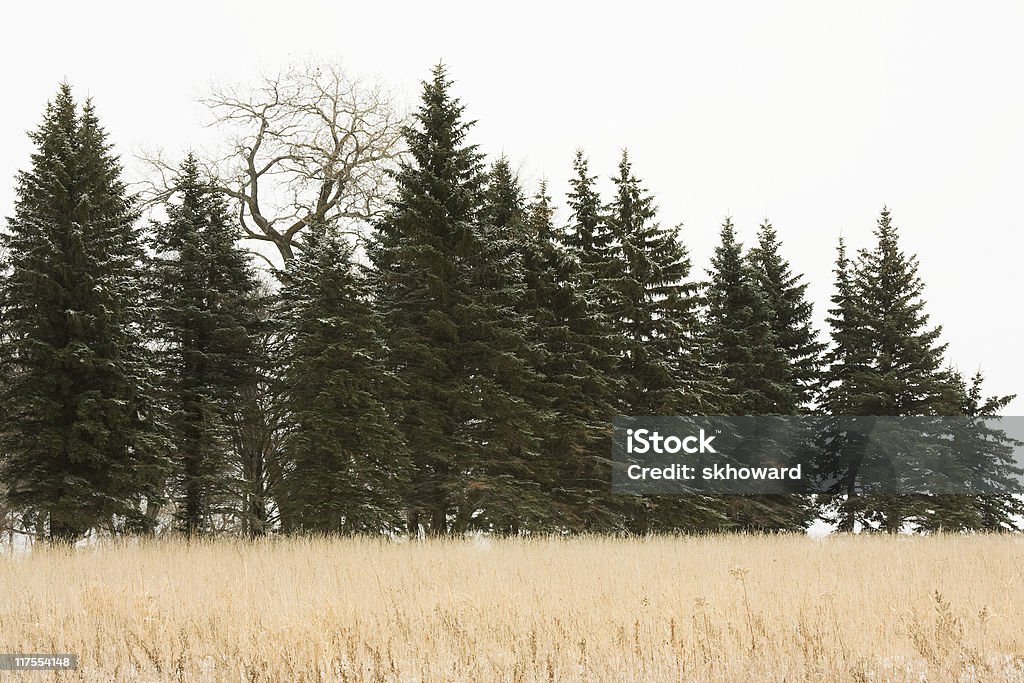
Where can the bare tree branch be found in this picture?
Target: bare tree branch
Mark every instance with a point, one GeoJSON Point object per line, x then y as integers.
{"type": "Point", "coordinates": [309, 144]}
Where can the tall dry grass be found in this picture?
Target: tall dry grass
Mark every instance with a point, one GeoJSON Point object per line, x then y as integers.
{"type": "Point", "coordinates": [721, 608]}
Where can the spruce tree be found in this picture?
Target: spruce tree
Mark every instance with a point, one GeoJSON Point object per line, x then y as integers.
{"type": "Point", "coordinates": [449, 284]}
{"type": "Point", "coordinates": [205, 317]}
{"type": "Point", "coordinates": [655, 308]}
{"type": "Point", "coordinates": [80, 433]}
{"type": "Point", "coordinates": [662, 353]}
{"type": "Point", "coordinates": [988, 456]}
{"type": "Point", "coordinates": [744, 345]}
{"type": "Point", "coordinates": [907, 377]}
{"type": "Point", "coordinates": [744, 297]}
{"type": "Point", "coordinates": [344, 462]}
{"type": "Point", "coordinates": [848, 364]}
{"type": "Point", "coordinates": [574, 356]}
{"type": "Point", "coordinates": [592, 255]}
{"type": "Point", "coordinates": [260, 423]}
{"type": "Point", "coordinates": [790, 317]}
{"type": "Point", "coordinates": [848, 360]}
{"type": "Point", "coordinates": [590, 240]}
{"type": "Point", "coordinates": [887, 360]}
{"type": "Point", "coordinates": [518, 475]}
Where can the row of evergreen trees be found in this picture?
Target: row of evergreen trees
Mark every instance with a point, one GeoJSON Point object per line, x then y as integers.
{"type": "Point", "coordinates": [464, 379]}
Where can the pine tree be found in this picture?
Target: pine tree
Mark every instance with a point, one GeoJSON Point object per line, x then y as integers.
{"type": "Point", "coordinates": [205, 318]}
{"type": "Point", "coordinates": [655, 307]}
{"type": "Point", "coordinates": [449, 284]}
{"type": "Point", "coordinates": [570, 338]}
{"type": "Point", "coordinates": [988, 455]}
{"type": "Point", "coordinates": [590, 240]}
{"type": "Point", "coordinates": [790, 318]}
{"type": "Point", "coordinates": [887, 361]}
{"type": "Point", "coordinates": [516, 480]}
{"type": "Point", "coordinates": [344, 459]}
{"type": "Point", "coordinates": [751, 347]}
{"type": "Point", "coordinates": [745, 346]}
{"type": "Point", "coordinates": [80, 437]}
{"type": "Point", "coordinates": [848, 363]}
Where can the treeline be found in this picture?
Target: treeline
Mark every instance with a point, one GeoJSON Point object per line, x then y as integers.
{"type": "Point", "coordinates": [457, 370]}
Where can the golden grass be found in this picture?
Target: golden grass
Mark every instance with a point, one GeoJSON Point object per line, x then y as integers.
{"type": "Point", "coordinates": [721, 608]}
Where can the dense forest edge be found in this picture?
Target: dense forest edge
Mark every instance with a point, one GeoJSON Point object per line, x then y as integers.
{"type": "Point", "coordinates": [356, 323]}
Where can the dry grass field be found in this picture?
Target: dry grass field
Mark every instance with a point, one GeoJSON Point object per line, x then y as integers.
{"type": "Point", "coordinates": [720, 608]}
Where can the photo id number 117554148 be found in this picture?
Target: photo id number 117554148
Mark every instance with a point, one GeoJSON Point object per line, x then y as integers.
{"type": "Point", "coordinates": [37, 662]}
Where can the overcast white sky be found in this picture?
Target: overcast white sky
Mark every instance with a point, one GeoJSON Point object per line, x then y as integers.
{"type": "Point", "coordinates": [812, 114]}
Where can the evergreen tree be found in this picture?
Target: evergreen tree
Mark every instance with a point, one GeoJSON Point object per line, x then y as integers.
{"type": "Point", "coordinates": [204, 320]}
{"type": "Point", "coordinates": [574, 356]}
{"type": "Point", "coordinates": [907, 376]}
{"type": "Point", "coordinates": [988, 454]}
{"type": "Point", "coordinates": [745, 297]}
{"type": "Point", "coordinates": [504, 205]}
{"type": "Point", "coordinates": [80, 436]}
{"type": "Point", "coordinates": [848, 364]}
{"type": "Point", "coordinates": [655, 308]}
{"type": "Point", "coordinates": [595, 263]}
{"type": "Point", "coordinates": [590, 240]}
{"type": "Point", "coordinates": [887, 361]}
{"type": "Point", "coordinates": [526, 467]}
{"type": "Point", "coordinates": [662, 353]}
{"type": "Point", "coordinates": [848, 360]}
{"type": "Point", "coordinates": [790, 315]}
{"type": "Point", "coordinates": [258, 427]}
{"type": "Point", "coordinates": [344, 460]}
{"type": "Point", "coordinates": [744, 345]}
{"type": "Point", "coordinates": [449, 284]}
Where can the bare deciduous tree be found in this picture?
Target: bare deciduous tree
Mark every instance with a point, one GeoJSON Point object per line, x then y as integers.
{"type": "Point", "coordinates": [310, 143]}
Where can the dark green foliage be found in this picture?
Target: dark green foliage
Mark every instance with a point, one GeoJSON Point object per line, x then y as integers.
{"type": "Point", "coordinates": [466, 380]}
{"type": "Point", "coordinates": [344, 460]}
{"type": "Point", "coordinates": [766, 353]}
{"type": "Point", "coordinates": [662, 352]}
{"type": "Point", "coordinates": [415, 254]}
{"type": "Point", "coordinates": [848, 365]}
{"type": "Point", "coordinates": [745, 348]}
{"type": "Point", "coordinates": [906, 375]}
{"type": "Point", "coordinates": [848, 361]}
{"type": "Point", "coordinates": [80, 437]}
{"type": "Point", "coordinates": [978, 453]}
{"type": "Point", "coordinates": [901, 371]}
{"type": "Point", "coordinates": [887, 360]}
{"type": "Point", "coordinates": [790, 315]}
{"type": "Point", "coordinates": [259, 425]}
{"type": "Point", "coordinates": [205, 320]}
{"type": "Point", "coordinates": [591, 241]}
{"type": "Point", "coordinates": [450, 285]}
{"type": "Point", "coordinates": [572, 341]}
{"type": "Point", "coordinates": [990, 457]}
{"type": "Point", "coordinates": [655, 308]}
{"type": "Point", "coordinates": [513, 491]}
